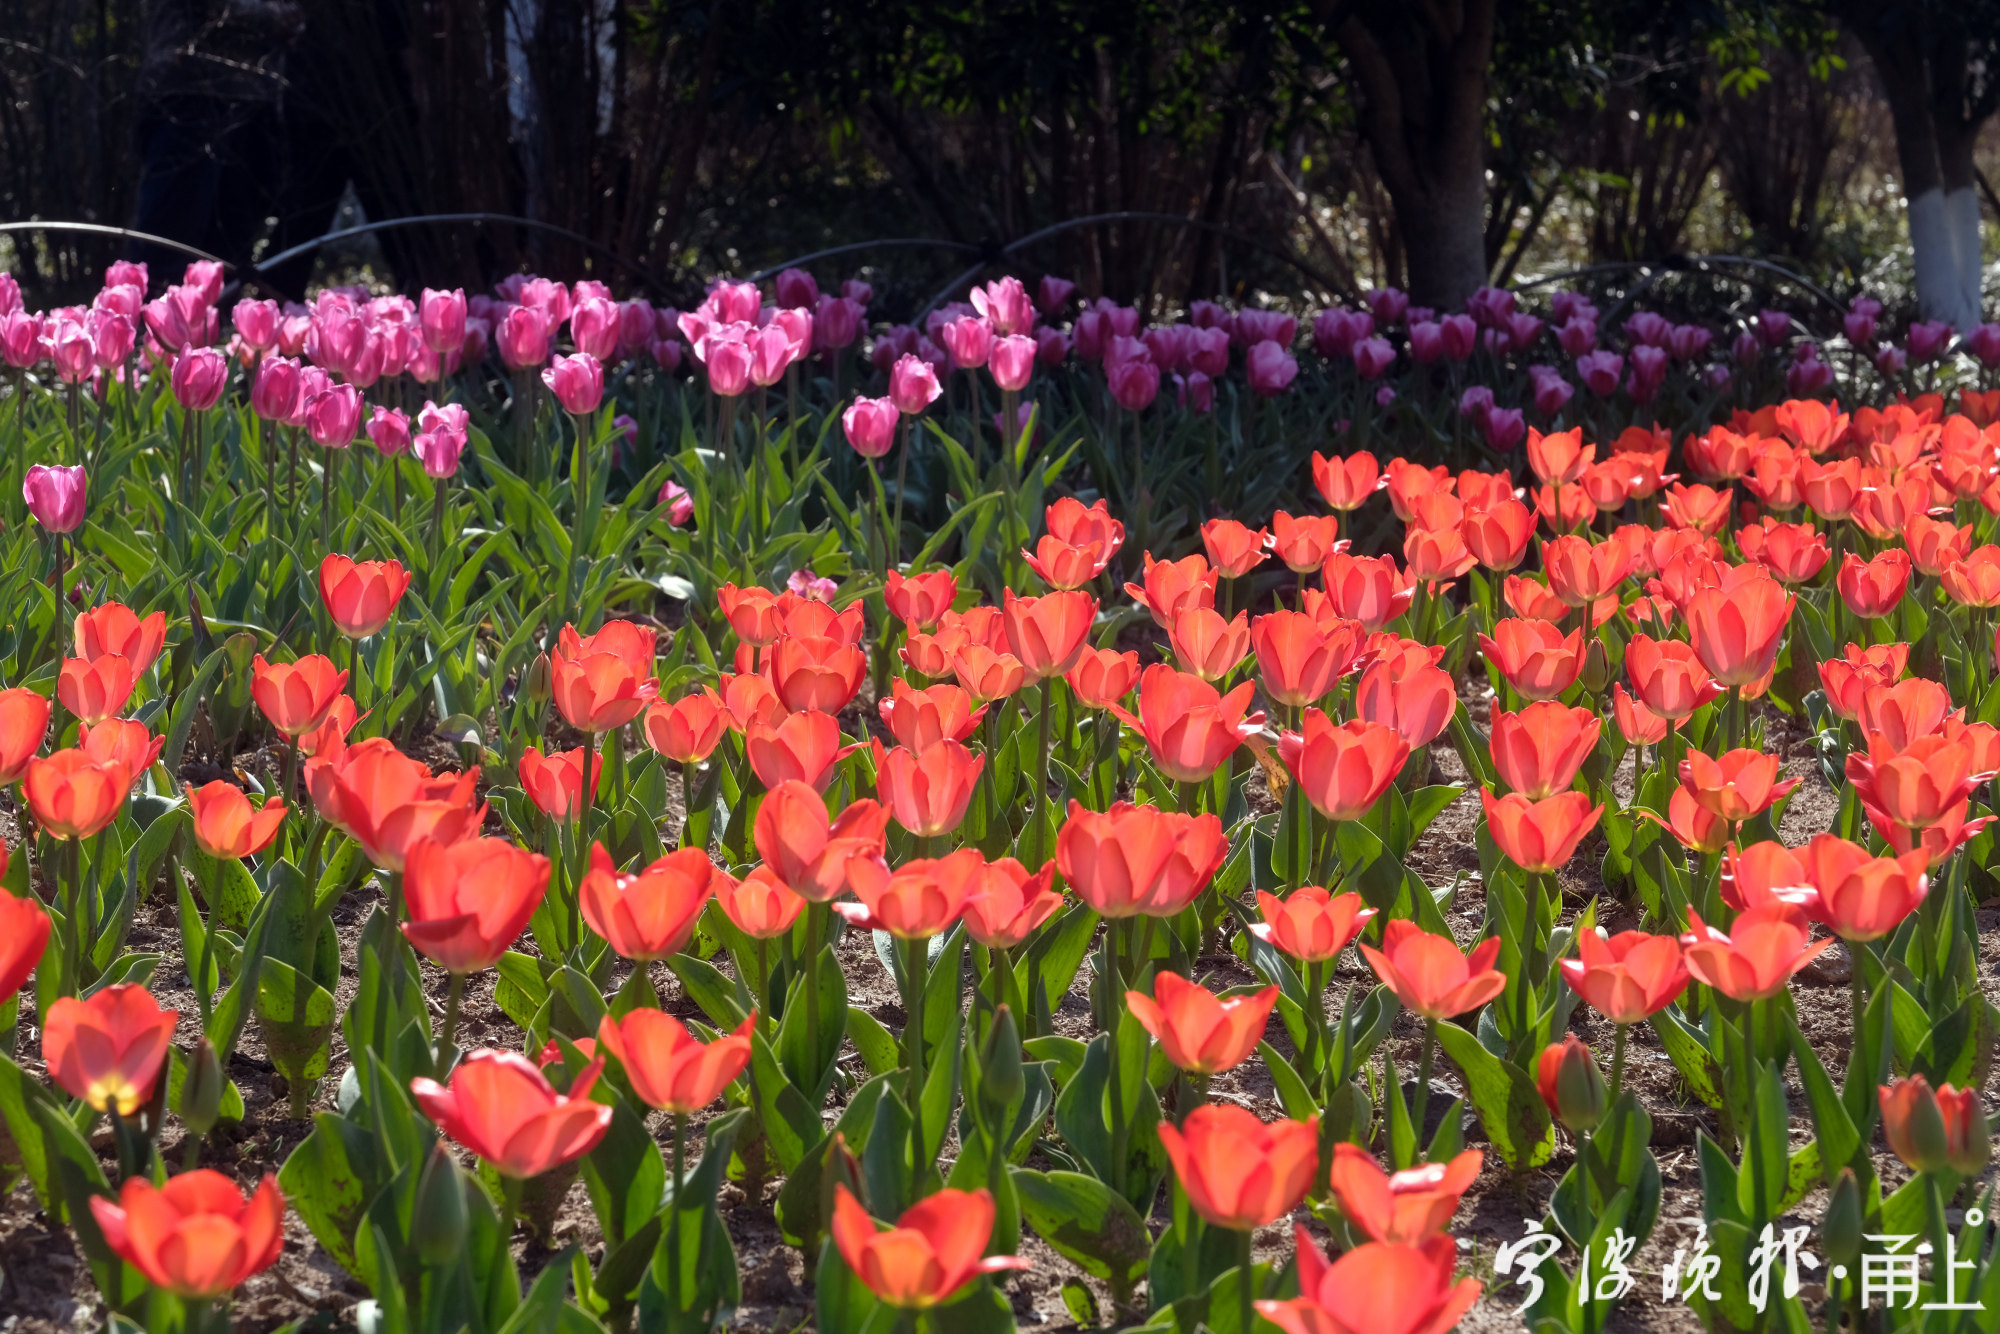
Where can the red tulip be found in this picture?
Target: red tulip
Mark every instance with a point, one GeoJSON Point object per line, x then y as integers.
{"type": "Point", "coordinates": [1497, 536]}
{"type": "Point", "coordinates": [1080, 525]}
{"type": "Point", "coordinates": [1668, 678]}
{"type": "Point", "coordinates": [1765, 946]}
{"type": "Point", "coordinates": [1538, 660]}
{"type": "Point", "coordinates": [1792, 552]}
{"type": "Point", "coordinates": [1871, 589]}
{"type": "Point", "coordinates": [24, 718]}
{"type": "Point", "coordinates": [471, 899]}
{"type": "Point", "coordinates": [670, 1068]}
{"type": "Point", "coordinates": [1366, 589]}
{"type": "Point", "coordinates": [1343, 770]}
{"type": "Point", "coordinates": [1417, 700]}
{"type": "Point", "coordinates": [1736, 630]}
{"type": "Point", "coordinates": [919, 601]}
{"type": "Point", "coordinates": [1914, 788]}
{"type": "Point", "coordinates": [1430, 975]}
{"type": "Point", "coordinates": [935, 1249]}
{"type": "Point", "coordinates": [1310, 924]}
{"type": "Point", "coordinates": [597, 690]}
{"type": "Point", "coordinates": [809, 852]}
{"type": "Point", "coordinates": [1190, 728]}
{"type": "Point", "coordinates": [360, 597]}
{"type": "Point", "coordinates": [502, 1108]}
{"type": "Point", "coordinates": [1931, 1131]}
{"type": "Point", "coordinates": [921, 719]}
{"type": "Point", "coordinates": [1899, 714]}
{"type": "Point", "coordinates": [816, 674]}
{"type": "Point", "coordinates": [1406, 482]}
{"type": "Point", "coordinates": [1197, 1032]}
{"type": "Point", "coordinates": [1862, 897]}
{"type": "Point", "coordinates": [1639, 725]}
{"type": "Point", "coordinates": [1233, 549]}
{"type": "Point", "coordinates": [387, 801]}
{"type": "Point", "coordinates": [650, 914]}
{"type": "Point", "coordinates": [296, 697]}
{"type": "Point", "coordinates": [113, 628]}
{"type": "Point", "coordinates": [1346, 483]}
{"type": "Point", "coordinates": [1297, 659]}
{"type": "Point", "coordinates": [1133, 860]}
{"type": "Point", "coordinates": [805, 746]}
{"type": "Point", "coordinates": [1304, 543]}
{"type": "Point", "coordinates": [24, 935]}
{"type": "Point", "coordinates": [1580, 573]}
{"type": "Point", "coordinates": [108, 1050]}
{"type": "Point", "coordinates": [1559, 457]}
{"type": "Point", "coordinates": [1047, 633]}
{"type": "Point", "coordinates": [1103, 677]}
{"type": "Point", "coordinates": [1208, 646]}
{"type": "Point", "coordinates": [1539, 836]}
{"type": "Point", "coordinates": [1375, 1289]}
{"type": "Point", "coordinates": [1238, 1172]}
{"type": "Point", "coordinates": [96, 690]}
{"type": "Point", "coordinates": [1006, 905]}
{"type": "Point", "coordinates": [1932, 544]}
{"type": "Point", "coordinates": [74, 796]}
{"type": "Point", "coordinates": [122, 740]}
{"type": "Point", "coordinates": [554, 782]}
{"type": "Point", "coordinates": [1740, 784]}
{"type": "Point", "coordinates": [1402, 1208]}
{"type": "Point", "coordinates": [919, 899]}
{"type": "Point", "coordinates": [688, 730]}
{"type": "Point", "coordinates": [196, 1236]}
{"type": "Point", "coordinates": [225, 824]}
{"type": "Point", "coordinates": [1628, 977]}
{"type": "Point", "coordinates": [928, 792]}
{"type": "Point", "coordinates": [752, 613]}
{"type": "Point", "coordinates": [759, 905]}
{"type": "Point", "coordinates": [1539, 751]}
{"type": "Point", "coordinates": [1696, 827]}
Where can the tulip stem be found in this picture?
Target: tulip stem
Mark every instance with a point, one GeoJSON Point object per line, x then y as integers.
{"type": "Point", "coordinates": [72, 941]}
{"type": "Point", "coordinates": [580, 497]}
{"type": "Point", "coordinates": [582, 833]}
{"type": "Point", "coordinates": [1422, 1105]}
{"type": "Point", "coordinates": [1246, 1281]}
{"type": "Point", "coordinates": [688, 771]}
{"type": "Point", "coordinates": [674, 1222]}
{"type": "Point", "coordinates": [1858, 998]}
{"type": "Point", "coordinates": [1114, 1005]}
{"type": "Point", "coordinates": [895, 534]}
{"type": "Point", "coordinates": [1618, 1062]}
{"type": "Point", "coordinates": [1042, 749]}
{"type": "Point", "coordinates": [914, 960]}
{"type": "Point", "coordinates": [451, 1004]}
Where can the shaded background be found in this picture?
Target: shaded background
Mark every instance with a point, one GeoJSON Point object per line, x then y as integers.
{"type": "Point", "coordinates": [1323, 146]}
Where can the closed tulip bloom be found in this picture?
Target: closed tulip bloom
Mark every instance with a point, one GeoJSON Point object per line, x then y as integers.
{"type": "Point", "coordinates": [1170, 587]}
{"type": "Point", "coordinates": [1303, 543]}
{"type": "Point", "coordinates": [113, 628]}
{"type": "Point", "coordinates": [748, 699]}
{"type": "Point", "coordinates": [913, 385]}
{"type": "Point", "coordinates": [296, 697]}
{"type": "Point", "coordinates": [669, 1067]}
{"type": "Point", "coordinates": [1639, 725]}
{"type": "Point", "coordinates": [1901, 713]}
{"type": "Point", "coordinates": [1497, 536]}
{"type": "Point", "coordinates": [1539, 836]}
{"type": "Point", "coordinates": [920, 719]}
{"type": "Point", "coordinates": [1310, 925]}
{"type": "Point", "coordinates": [1737, 631]}
{"type": "Point", "coordinates": [1402, 1208]}
{"type": "Point", "coordinates": [198, 378]}
{"type": "Point", "coordinates": [554, 782]}
{"type": "Point", "coordinates": [807, 850]}
{"type": "Point", "coordinates": [1974, 580]}
{"type": "Point", "coordinates": [56, 496]}
{"type": "Point", "coordinates": [577, 382]}
{"type": "Point", "coordinates": [1538, 660]}
{"type": "Point", "coordinates": [1871, 589]}
{"type": "Point", "coordinates": [816, 674]}
{"type": "Point", "coordinates": [687, 730]}
{"type": "Point", "coordinates": [110, 1049]}
{"type": "Point", "coordinates": [927, 792]}
{"type": "Point", "coordinates": [1581, 573]}
{"type": "Point", "coordinates": [74, 796]}
{"type": "Point", "coordinates": [1233, 549]}
{"type": "Point", "coordinates": [1048, 633]}
{"type": "Point", "coordinates": [1669, 679]}
{"type": "Point", "coordinates": [1559, 457]}
{"type": "Point", "coordinates": [1297, 662]}
{"type": "Point", "coordinates": [1133, 860]}
{"type": "Point", "coordinates": [1861, 897]}
{"type": "Point", "coordinates": [360, 597]}
{"type": "Point", "coordinates": [1375, 1289]}
{"type": "Point", "coordinates": [1343, 769]}
{"type": "Point", "coordinates": [1539, 751]}
{"type": "Point", "coordinates": [1103, 677]}
{"type": "Point", "coordinates": [1006, 905]}
{"type": "Point", "coordinates": [751, 612]}
{"type": "Point", "coordinates": [1084, 525]}
{"type": "Point", "coordinates": [1365, 589]}
{"type": "Point", "coordinates": [196, 1237]}
{"type": "Point", "coordinates": [1741, 784]}
{"type": "Point", "coordinates": [1197, 1032]}
{"type": "Point", "coordinates": [226, 826]}
{"type": "Point", "coordinates": [1914, 788]}
{"type": "Point", "coordinates": [1346, 483]}
{"type": "Point", "coordinates": [24, 935]}
{"type": "Point", "coordinates": [471, 899]}
{"type": "Point", "coordinates": [920, 601]}
{"type": "Point", "coordinates": [1933, 1130]}
{"type": "Point", "coordinates": [1628, 977]}
{"type": "Point", "coordinates": [1417, 702]}
{"type": "Point", "coordinates": [1430, 975]}
{"type": "Point", "coordinates": [1062, 566]}
{"type": "Point", "coordinates": [122, 741]}
{"type": "Point", "coordinates": [1931, 544]}
{"type": "Point", "coordinates": [501, 1107]}
{"type": "Point", "coordinates": [986, 675]}
{"type": "Point", "coordinates": [24, 718]}
{"type": "Point", "coordinates": [804, 746]}
{"type": "Point", "coordinates": [1765, 946]}
{"type": "Point", "coordinates": [1792, 552]}
{"type": "Point", "coordinates": [759, 905]}
{"type": "Point", "coordinates": [870, 426]}
{"type": "Point", "coordinates": [1208, 646]}
{"type": "Point", "coordinates": [96, 690]}
{"type": "Point", "coordinates": [919, 899]}
{"type": "Point", "coordinates": [599, 691]}
{"type": "Point", "coordinates": [1238, 1172]}
{"type": "Point", "coordinates": [650, 914]}
{"type": "Point", "coordinates": [936, 1247]}
{"type": "Point", "coordinates": [1190, 728]}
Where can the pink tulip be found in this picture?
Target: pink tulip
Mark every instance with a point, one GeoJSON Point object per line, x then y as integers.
{"type": "Point", "coordinates": [577, 382]}
{"type": "Point", "coordinates": [179, 319]}
{"type": "Point", "coordinates": [1773, 326]}
{"type": "Point", "coordinates": [1458, 333]}
{"type": "Point", "coordinates": [1689, 341]}
{"type": "Point", "coordinates": [441, 316]}
{"type": "Point", "coordinates": [1984, 343]}
{"type": "Point", "coordinates": [1373, 357]}
{"type": "Point", "coordinates": [1475, 402]}
{"type": "Point", "coordinates": [112, 337]}
{"type": "Point", "coordinates": [1271, 369]}
{"type": "Point", "coordinates": [1891, 360]}
{"type": "Point", "coordinates": [1716, 377]}
{"type": "Point", "coordinates": [274, 394]}
{"type": "Point", "coordinates": [1051, 347]}
{"type": "Point", "coordinates": [770, 352]}
{"type": "Point", "coordinates": [1195, 392]}
{"type": "Point", "coordinates": [1121, 350]}
{"type": "Point", "coordinates": [199, 377]}
{"type": "Point", "coordinates": [70, 348]}
{"type": "Point", "coordinates": [1504, 428]}
{"type": "Point", "coordinates": [1387, 305]}
{"type": "Point", "coordinates": [1648, 328]}
{"type": "Point", "coordinates": [256, 323]}
{"type": "Point", "coordinates": [728, 364]}
{"type": "Point", "coordinates": [1092, 335]}
{"type": "Point", "coordinates": [1005, 305]}
{"type": "Point", "coordinates": [858, 291]}
{"type": "Point", "coordinates": [1208, 352]}
{"type": "Point", "coordinates": [806, 584]}
{"type": "Point", "coordinates": [1264, 326]}
{"type": "Point", "coordinates": [1053, 293]}
{"type": "Point", "coordinates": [836, 323]}
{"type": "Point", "coordinates": [334, 416]}
{"type": "Point", "coordinates": [20, 339]}
{"type": "Point", "coordinates": [441, 438]}
{"type": "Point", "coordinates": [1649, 372]}
{"type": "Point", "coordinates": [1600, 371]}
{"type": "Point", "coordinates": [594, 326]}
{"type": "Point", "coordinates": [10, 294]}
{"type": "Point", "coordinates": [1012, 362]}
{"type": "Point", "coordinates": [1747, 348]}
{"type": "Point", "coordinates": [1522, 330]}
{"type": "Point", "coordinates": [1577, 337]}
{"type": "Point", "coordinates": [1565, 306]}
{"type": "Point", "coordinates": [1336, 331]}
{"type": "Point", "coordinates": [913, 385]}
{"type": "Point", "coordinates": [735, 302]}
{"type": "Point", "coordinates": [389, 429]}
{"type": "Point", "coordinates": [870, 424]}
{"type": "Point", "coordinates": [523, 336]}
{"type": "Point", "coordinates": [126, 273]}
{"type": "Point", "coordinates": [1928, 340]}
{"type": "Point", "coordinates": [206, 277]}
{"type": "Point", "coordinates": [969, 339]}
{"type": "Point", "coordinates": [1808, 377]}
{"type": "Point", "coordinates": [1135, 384]}
{"type": "Point", "coordinates": [56, 496]}
{"type": "Point", "coordinates": [549, 297]}
{"type": "Point", "coordinates": [1859, 322]}
{"type": "Point", "coordinates": [293, 330]}
{"type": "Point", "coordinates": [1489, 307]}
{"type": "Point", "coordinates": [1167, 346]}
{"type": "Point", "coordinates": [678, 504]}
{"type": "Point", "coordinates": [1552, 392]}
{"type": "Point", "coordinates": [1426, 341]}
{"type": "Point", "coordinates": [796, 287]}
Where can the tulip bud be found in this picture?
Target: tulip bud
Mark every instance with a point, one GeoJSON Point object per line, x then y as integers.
{"type": "Point", "coordinates": [1571, 1085]}
{"type": "Point", "coordinates": [201, 1090]}
{"type": "Point", "coordinates": [1596, 668]}
{"type": "Point", "coordinates": [1000, 1079]}
{"type": "Point", "coordinates": [438, 1225]}
{"type": "Point", "coordinates": [538, 684]}
{"type": "Point", "coordinates": [1914, 1124]}
{"type": "Point", "coordinates": [1972, 1143]}
{"type": "Point", "coordinates": [1840, 1227]}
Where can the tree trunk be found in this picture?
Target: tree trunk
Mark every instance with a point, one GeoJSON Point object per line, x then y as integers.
{"type": "Point", "coordinates": [1422, 70]}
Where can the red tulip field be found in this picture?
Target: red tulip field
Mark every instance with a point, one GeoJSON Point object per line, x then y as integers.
{"type": "Point", "coordinates": [539, 812]}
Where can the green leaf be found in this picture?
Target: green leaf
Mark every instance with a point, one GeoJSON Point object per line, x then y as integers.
{"type": "Point", "coordinates": [1506, 1098]}
{"type": "Point", "coordinates": [326, 1179]}
{"type": "Point", "coordinates": [1687, 1049]}
{"type": "Point", "coordinates": [296, 1016]}
{"type": "Point", "coordinates": [1086, 1222]}
{"type": "Point", "coordinates": [878, 1047]}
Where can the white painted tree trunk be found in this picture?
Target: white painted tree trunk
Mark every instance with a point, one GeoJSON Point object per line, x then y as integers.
{"type": "Point", "coordinates": [1963, 207]}
{"type": "Point", "coordinates": [1939, 256]}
